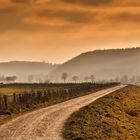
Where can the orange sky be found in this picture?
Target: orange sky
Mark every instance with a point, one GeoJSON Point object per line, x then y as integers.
{"type": "Point", "coordinates": [57, 30]}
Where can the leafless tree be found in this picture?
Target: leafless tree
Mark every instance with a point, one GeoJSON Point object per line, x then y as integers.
{"type": "Point", "coordinates": [2, 78]}
{"type": "Point", "coordinates": [75, 78]}
{"type": "Point", "coordinates": [92, 78]}
{"type": "Point", "coordinates": [64, 76]}
{"type": "Point", "coordinates": [30, 78]}
{"type": "Point", "coordinates": [86, 78]}
{"type": "Point", "coordinates": [124, 79]}
{"type": "Point", "coordinates": [10, 79]}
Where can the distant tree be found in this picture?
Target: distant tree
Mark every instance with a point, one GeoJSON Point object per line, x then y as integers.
{"type": "Point", "coordinates": [30, 78]}
{"type": "Point", "coordinates": [117, 79]}
{"type": "Point", "coordinates": [47, 80]}
{"type": "Point", "coordinates": [138, 78]}
{"type": "Point", "coordinates": [133, 79]}
{"type": "Point", "coordinates": [2, 78]}
{"type": "Point", "coordinates": [92, 78]}
{"type": "Point", "coordinates": [124, 79]}
{"type": "Point", "coordinates": [75, 78]}
{"type": "Point", "coordinates": [39, 80]}
{"type": "Point", "coordinates": [10, 79]}
{"type": "Point", "coordinates": [64, 76]}
{"type": "Point", "coordinates": [86, 78]}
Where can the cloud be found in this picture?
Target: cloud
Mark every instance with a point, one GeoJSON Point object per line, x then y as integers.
{"type": "Point", "coordinates": [70, 16]}
{"type": "Point", "coordinates": [68, 20]}
{"type": "Point", "coordinates": [7, 10]}
{"type": "Point", "coordinates": [12, 18]}
{"type": "Point", "coordinates": [127, 17]}
{"type": "Point", "coordinates": [23, 1]}
{"type": "Point", "coordinates": [89, 2]}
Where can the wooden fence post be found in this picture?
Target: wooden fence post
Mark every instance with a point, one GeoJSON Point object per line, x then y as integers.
{"type": "Point", "coordinates": [5, 101]}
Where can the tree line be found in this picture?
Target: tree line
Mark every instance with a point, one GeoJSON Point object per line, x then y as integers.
{"type": "Point", "coordinates": [7, 79]}
{"type": "Point", "coordinates": [74, 79]}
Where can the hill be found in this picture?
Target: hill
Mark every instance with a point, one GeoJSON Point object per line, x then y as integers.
{"type": "Point", "coordinates": [104, 64]}
{"type": "Point", "coordinates": [24, 68]}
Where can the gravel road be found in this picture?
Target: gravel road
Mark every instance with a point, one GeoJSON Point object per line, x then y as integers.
{"type": "Point", "coordinates": [47, 123]}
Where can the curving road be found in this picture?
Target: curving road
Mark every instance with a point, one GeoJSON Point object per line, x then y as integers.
{"type": "Point", "coordinates": [47, 123]}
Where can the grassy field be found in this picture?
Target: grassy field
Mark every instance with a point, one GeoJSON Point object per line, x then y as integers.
{"type": "Point", "coordinates": [113, 117]}
{"type": "Point", "coordinates": [21, 88]}
{"type": "Point", "coordinates": [28, 97]}
{"type": "Point", "coordinates": [11, 90]}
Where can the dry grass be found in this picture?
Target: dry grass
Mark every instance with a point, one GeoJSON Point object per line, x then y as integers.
{"type": "Point", "coordinates": [113, 117]}
{"type": "Point", "coordinates": [58, 93]}
{"type": "Point", "coordinates": [11, 90]}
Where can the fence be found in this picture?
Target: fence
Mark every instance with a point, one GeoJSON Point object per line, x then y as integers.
{"type": "Point", "coordinates": [19, 101]}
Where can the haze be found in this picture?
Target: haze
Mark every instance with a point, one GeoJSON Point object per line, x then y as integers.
{"type": "Point", "coordinates": [57, 30]}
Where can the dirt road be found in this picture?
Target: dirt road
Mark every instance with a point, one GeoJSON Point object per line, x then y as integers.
{"type": "Point", "coordinates": [47, 123]}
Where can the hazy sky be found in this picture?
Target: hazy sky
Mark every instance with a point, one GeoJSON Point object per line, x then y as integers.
{"type": "Point", "coordinates": [57, 30]}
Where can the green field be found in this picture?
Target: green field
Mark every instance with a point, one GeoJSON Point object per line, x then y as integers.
{"type": "Point", "coordinates": [113, 117]}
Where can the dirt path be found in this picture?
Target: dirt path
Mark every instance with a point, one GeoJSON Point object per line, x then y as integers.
{"type": "Point", "coordinates": [47, 123]}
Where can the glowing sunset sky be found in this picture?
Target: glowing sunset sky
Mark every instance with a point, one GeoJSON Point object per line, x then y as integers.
{"type": "Point", "coordinates": [57, 30]}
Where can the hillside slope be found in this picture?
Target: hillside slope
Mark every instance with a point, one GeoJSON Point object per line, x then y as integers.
{"type": "Point", "coordinates": [104, 64]}
{"type": "Point", "coordinates": [112, 117]}
{"type": "Point", "coordinates": [24, 68]}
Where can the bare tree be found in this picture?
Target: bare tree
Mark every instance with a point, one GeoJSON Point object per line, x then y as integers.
{"type": "Point", "coordinates": [132, 79]}
{"type": "Point", "coordinates": [30, 78]}
{"type": "Point", "coordinates": [117, 79]}
{"type": "Point", "coordinates": [64, 76]}
{"type": "Point", "coordinates": [138, 78]}
{"type": "Point", "coordinates": [47, 80]}
{"type": "Point", "coordinates": [92, 78]}
{"type": "Point", "coordinates": [86, 78]}
{"type": "Point", "coordinates": [10, 79]}
{"type": "Point", "coordinates": [124, 79]}
{"type": "Point", "coordinates": [2, 78]}
{"type": "Point", "coordinates": [75, 78]}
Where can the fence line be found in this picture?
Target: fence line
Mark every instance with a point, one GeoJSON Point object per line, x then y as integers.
{"type": "Point", "coordinates": [16, 102]}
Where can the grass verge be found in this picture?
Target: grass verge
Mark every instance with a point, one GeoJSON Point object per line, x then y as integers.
{"type": "Point", "coordinates": [113, 117]}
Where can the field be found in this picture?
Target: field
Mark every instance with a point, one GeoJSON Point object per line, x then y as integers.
{"type": "Point", "coordinates": [9, 89]}
{"type": "Point", "coordinates": [113, 117]}
{"type": "Point", "coordinates": [19, 98]}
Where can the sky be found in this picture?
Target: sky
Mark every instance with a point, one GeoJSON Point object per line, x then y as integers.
{"type": "Point", "coordinates": [57, 30]}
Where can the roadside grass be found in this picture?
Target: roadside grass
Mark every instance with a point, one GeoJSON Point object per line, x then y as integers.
{"type": "Point", "coordinates": [113, 117]}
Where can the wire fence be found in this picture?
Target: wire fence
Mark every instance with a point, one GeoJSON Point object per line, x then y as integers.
{"type": "Point", "coordinates": [17, 101]}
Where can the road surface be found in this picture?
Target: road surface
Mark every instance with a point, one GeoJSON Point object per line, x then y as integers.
{"type": "Point", "coordinates": [47, 123]}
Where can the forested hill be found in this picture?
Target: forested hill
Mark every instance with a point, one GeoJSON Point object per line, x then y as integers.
{"type": "Point", "coordinates": [104, 64]}
{"type": "Point", "coordinates": [24, 68]}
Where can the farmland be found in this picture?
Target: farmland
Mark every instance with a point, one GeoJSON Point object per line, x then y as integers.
{"type": "Point", "coordinates": [114, 116]}
{"type": "Point", "coordinates": [19, 98]}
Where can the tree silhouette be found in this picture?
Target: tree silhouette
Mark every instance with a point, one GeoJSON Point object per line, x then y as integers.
{"type": "Point", "coordinates": [75, 78]}
{"type": "Point", "coordinates": [92, 78]}
{"type": "Point", "coordinates": [30, 78]}
{"type": "Point", "coordinates": [64, 76]}
{"type": "Point", "coordinates": [2, 78]}
{"type": "Point", "coordinates": [86, 78]}
{"type": "Point", "coordinates": [10, 79]}
{"type": "Point", "coordinates": [125, 79]}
